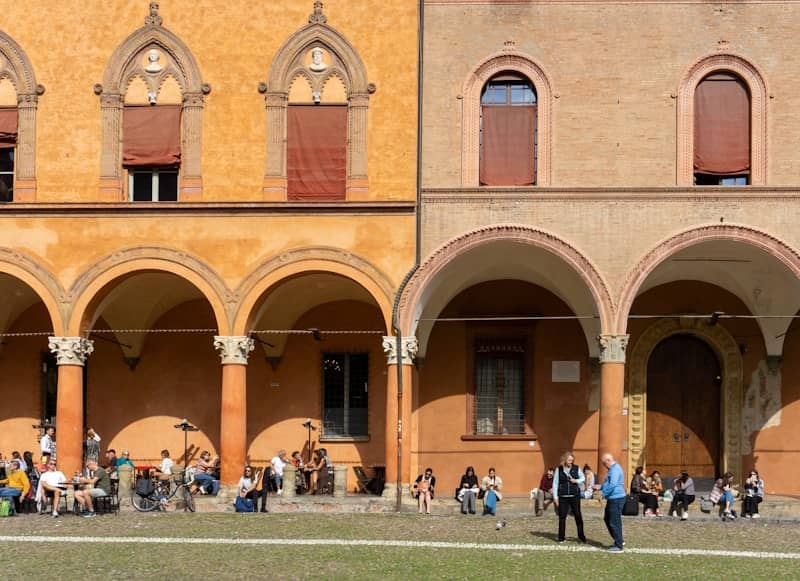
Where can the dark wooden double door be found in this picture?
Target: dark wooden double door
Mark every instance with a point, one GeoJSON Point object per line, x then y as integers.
{"type": "Point", "coordinates": [683, 408]}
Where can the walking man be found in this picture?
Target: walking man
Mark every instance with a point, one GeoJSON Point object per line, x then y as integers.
{"type": "Point", "coordinates": [613, 490]}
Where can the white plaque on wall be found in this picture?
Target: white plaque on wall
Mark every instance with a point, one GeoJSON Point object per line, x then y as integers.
{"type": "Point", "coordinates": [566, 371]}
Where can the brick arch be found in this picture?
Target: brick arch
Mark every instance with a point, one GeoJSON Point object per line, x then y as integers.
{"type": "Point", "coordinates": [285, 67]}
{"type": "Point", "coordinates": [731, 396]}
{"type": "Point", "coordinates": [471, 103]}
{"type": "Point", "coordinates": [787, 255]}
{"type": "Point", "coordinates": [16, 65]}
{"type": "Point", "coordinates": [40, 280]}
{"type": "Point", "coordinates": [435, 263]}
{"type": "Point", "coordinates": [759, 93]}
{"type": "Point", "coordinates": [120, 69]}
{"type": "Point", "coordinates": [131, 260]}
{"type": "Point", "coordinates": [311, 259]}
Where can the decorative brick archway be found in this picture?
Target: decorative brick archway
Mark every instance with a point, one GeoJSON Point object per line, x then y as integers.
{"type": "Point", "coordinates": [726, 349]}
{"type": "Point", "coordinates": [412, 294]}
{"type": "Point", "coordinates": [506, 60]}
{"type": "Point", "coordinates": [46, 286]}
{"type": "Point", "coordinates": [757, 85]}
{"type": "Point", "coordinates": [770, 244]}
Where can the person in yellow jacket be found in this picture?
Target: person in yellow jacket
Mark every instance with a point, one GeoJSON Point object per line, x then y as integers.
{"type": "Point", "coordinates": [16, 486]}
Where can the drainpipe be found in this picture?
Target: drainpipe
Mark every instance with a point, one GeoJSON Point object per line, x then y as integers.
{"type": "Point", "coordinates": [417, 251]}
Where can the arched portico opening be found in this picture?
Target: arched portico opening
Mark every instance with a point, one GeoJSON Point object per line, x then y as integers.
{"type": "Point", "coordinates": [28, 314]}
{"type": "Point", "coordinates": [524, 307]}
{"type": "Point", "coordinates": [318, 319]}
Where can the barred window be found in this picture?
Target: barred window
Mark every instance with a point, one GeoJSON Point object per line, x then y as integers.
{"type": "Point", "coordinates": [345, 378]}
{"type": "Point", "coordinates": [499, 388]}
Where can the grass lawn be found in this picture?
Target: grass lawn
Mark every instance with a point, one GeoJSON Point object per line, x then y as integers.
{"type": "Point", "coordinates": [102, 560]}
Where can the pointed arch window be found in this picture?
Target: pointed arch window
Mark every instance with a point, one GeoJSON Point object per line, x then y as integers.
{"type": "Point", "coordinates": [317, 99]}
{"type": "Point", "coordinates": [508, 131]}
{"type": "Point", "coordinates": [722, 130]}
{"type": "Point", "coordinates": [152, 99]}
{"type": "Point", "coordinates": [19, 96]}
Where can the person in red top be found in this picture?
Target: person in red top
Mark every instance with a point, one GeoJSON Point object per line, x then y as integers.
{"type": "Point", "coordinates": [543, 495]}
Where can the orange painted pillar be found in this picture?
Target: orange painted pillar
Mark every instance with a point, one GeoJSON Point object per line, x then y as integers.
{"type": "Point", "coordinates": [613, 420]}
{"type": "Point", "coordinates": [233, 415]}
{"type": "Point", "coordinates": [398, 412]}
{"type": "Point", "coordinates": [71, 354]}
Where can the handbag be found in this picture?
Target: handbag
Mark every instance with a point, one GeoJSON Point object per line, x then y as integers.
{"type": "Point", "coordinates": [705, 504]}
{"type": "Point", "coordinates": [242, 504]}
{"type": "Point", "coordinates": [631, 506]}
{"type": "Point", "coordinates": [5, 507]}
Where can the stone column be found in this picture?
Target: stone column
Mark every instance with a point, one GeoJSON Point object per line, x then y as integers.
{"type": "Point", "coordinates": [111, 154]}
{"type": "Point", "coordinates": [71, 354]}
{"type": "Point", "coordinates": [398, 412]}
{"type": "Point", "coordinates": [233, 416]}
{"type": "Point", "coordinates": [277, 104]}
{"type": "Point", "coordinates": [340, 480]}
{"type": "Point", "coordinates": [612, 428]}
{"type": "Point", "coordinates": [25, 182]}
{"type": "Point", "coordinates": [191, 183]}
{"type": "Point", "coordinates": [289, 472]}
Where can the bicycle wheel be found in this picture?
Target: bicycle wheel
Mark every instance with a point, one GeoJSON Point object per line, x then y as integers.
{"type": "Point", "coordinates": [188, 499]}
{"type": "Point", "coordinates": [144, 503]}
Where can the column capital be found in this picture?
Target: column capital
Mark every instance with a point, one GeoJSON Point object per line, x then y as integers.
{"type": "Point", "coordinates": [612, 348]}
{"type": "Point", "coordinates": [234, 350]}
{"type": "Point", "coordinates": [409, 346]}
{"type": "Point", "coordinates": [70, 350]}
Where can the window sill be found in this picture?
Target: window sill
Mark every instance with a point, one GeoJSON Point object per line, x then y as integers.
{"type": "Point", "coordinates": [344, 439]}
{"type": "Point", "coordinates": [498, 437]}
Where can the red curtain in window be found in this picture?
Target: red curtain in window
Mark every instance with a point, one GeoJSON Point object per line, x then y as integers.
{"type": "Point", "coordinates": [507, 145]}
{"type": "Point", "coordinates": [8, 128]}
{"type": "Point", "coordinates": [316, 157]}
{"type": "Point", "coordinates": [151, 136]}
{"type": "Point", "coordinates": [721, 127]}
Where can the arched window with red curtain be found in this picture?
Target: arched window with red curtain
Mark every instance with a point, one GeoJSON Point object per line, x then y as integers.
{"type": "Point", "coordinates": [508, 131]}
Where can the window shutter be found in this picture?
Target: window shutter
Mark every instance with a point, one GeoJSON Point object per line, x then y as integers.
{"type": "Point", "coordinates": [507, 148]}
{"type": "Point", "coordinates": [721, 126]}
{"type": "Point", "coordinates": [317, 152]}
{"type": "Point", "coordinates": [151, 136]}
{"type": "Point", "coordinates": [8, 128]}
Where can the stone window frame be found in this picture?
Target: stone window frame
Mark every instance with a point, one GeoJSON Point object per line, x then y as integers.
{"type": "Point", "coordinates": [759, 97]}
{"type": "Point", "coordinates": [506, 60]}
{"type": "Point", "coordinates": [121, 68]}
{"type": "Point", "coordinates": [16, 66]}
{"type": "Point", "coordinates": [276, 96]}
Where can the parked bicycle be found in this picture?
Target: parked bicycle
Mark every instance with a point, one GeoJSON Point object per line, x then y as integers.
{"type": "Point", "coordinates": [148, 494]}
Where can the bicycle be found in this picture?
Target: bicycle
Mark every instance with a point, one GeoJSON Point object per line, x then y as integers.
{"type": "Point", "coordinates": [158, 494]}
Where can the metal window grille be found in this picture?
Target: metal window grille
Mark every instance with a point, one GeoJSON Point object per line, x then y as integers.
{"type": "Point", "coordinates": [499, 393]}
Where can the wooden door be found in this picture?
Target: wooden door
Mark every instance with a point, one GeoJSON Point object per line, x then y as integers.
{"type": "Point", "coordinates": [683, 408]}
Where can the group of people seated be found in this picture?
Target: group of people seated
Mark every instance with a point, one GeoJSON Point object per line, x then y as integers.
{"type": "Point", "coordinates": [726, 490]}
{"type": "Point", "coordinates": [648, 489]}
{"type": "Point", "coordinates": [314, 477]}
{"type": "Point", "coordinates": [469, 489]}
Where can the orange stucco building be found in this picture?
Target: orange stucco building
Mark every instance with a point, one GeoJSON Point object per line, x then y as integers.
{"type": "Point", "coordinates": [171, 193]}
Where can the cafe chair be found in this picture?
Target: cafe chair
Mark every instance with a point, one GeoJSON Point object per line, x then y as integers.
{"type": "Point", "coordinates": [108, 504]}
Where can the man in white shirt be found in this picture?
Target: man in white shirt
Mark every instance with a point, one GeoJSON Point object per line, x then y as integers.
{"type": "Point", "coordinates": [48, 444]}
{"type": "Point", "coordinates": [51, 482]}
{"type": "Point", "coordinates": [278, 463]}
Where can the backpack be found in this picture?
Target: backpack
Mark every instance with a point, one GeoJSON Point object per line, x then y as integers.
{"type": "Point", "coordinates": [5, 507]}
{"type": "Point", "coordinates": [145, 487]}
{"type": "Point", "coordinates": [243, 505]}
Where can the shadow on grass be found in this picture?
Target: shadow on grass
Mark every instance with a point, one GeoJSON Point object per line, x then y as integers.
{"type": "Point", "coordinates": [554, 538]}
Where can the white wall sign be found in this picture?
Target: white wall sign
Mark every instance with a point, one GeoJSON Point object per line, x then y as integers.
{"type": "Point", "coordinates": [566, 372]}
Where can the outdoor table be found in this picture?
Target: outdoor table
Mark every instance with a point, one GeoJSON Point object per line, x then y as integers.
{"type": "Point", "coordinates": [141, 470]}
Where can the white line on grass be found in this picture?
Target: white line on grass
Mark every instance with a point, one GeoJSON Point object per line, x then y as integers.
{"type": "Point", "coordinates": [674, 552]}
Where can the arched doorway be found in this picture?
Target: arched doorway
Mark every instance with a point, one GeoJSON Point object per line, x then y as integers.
{"type": "Point", "coordinates": [683, 407]}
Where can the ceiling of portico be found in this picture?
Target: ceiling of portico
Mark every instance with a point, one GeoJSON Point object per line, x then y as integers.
{"type": "Point", "coordinates": [759, 279]}
{"type": "Point", "coordinates": [283, 305]}
{"type": "Point", "coordinates": [17, 297]}
{"type": "Point", "coordinates": [137, 302]}
{"type": "Point", "coordinates": [507, 260]}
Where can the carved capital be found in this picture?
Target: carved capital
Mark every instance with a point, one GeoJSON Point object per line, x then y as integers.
{"type": "Point", "coordinates": [111, 100]}
{"type": "Point", "coordinates": [193, 99]}
{"type": "Point", "coordinates": [234, 350]}
{"type": "Point", "coordinates": [612, 348]}
{"type": "Point", "coordinates": [774, 364]}
{"type": "Point", "coordinates": [409, 346]}
{"type": "Point", "coordinates": [27, 100]}
{"type": "Point", "coordinates": [70, 350]}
